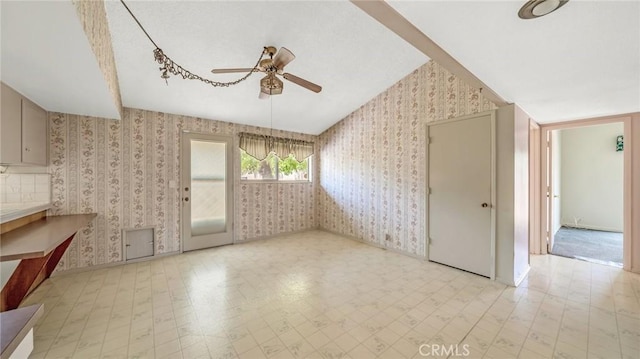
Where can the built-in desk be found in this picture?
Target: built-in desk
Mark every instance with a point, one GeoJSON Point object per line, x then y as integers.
{"type": "Point", "coordinates": [38, 238]}
{"type": "Point", "coordinates": [39, 246]}
{"type": "Point", "coordinates": [16, 331]}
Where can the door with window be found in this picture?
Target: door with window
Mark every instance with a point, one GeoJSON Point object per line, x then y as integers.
{"type": "Point", "coordinates": [207, 191]}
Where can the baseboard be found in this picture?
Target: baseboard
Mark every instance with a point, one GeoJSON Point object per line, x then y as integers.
{"type": "Point", "coordinates": [517, 281]}
{"type": "Point", "coordinates": [593, 228]}
{"type": "Point", "coordinates": [275, 235]}
{"type": "Point", "coordinates": [394, 250]}
{"type": "Point", "coordinates": [113, 264]}
{"type": "Point", "coordinates": [508, 282]}
{"type": "Point", "coordinates": [522, 276]}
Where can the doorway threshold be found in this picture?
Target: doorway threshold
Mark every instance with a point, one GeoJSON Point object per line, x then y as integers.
{"type": "Point", "coordinates": [592, 260]}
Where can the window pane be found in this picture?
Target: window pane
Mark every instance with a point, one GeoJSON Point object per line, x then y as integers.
{"type": "Point", "coordinates": [287, 169]}
{"type": "Point", "coordinates": [208, 188]}
{"type": "Point", "coordinates": [252, 169]}
{"type": "Point", "coordinates": [291, 170]}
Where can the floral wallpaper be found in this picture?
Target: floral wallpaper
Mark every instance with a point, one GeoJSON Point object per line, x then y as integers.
{"type": "Point", "coordinates": [372, 163]}
{"type": "Point", "coordinates": [121, 170]}
{"type": "Point", "coordinates": [369, 172]}
{"type": "Point", "coordinates": [93, 17]}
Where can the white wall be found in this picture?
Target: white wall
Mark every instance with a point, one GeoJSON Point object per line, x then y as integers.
{"type": "Point", "coordinates": [592, 177]}
{"type": "Point", "coordinates": [521, 195]}
{"type": "Point", "coordinates": [512, 207]}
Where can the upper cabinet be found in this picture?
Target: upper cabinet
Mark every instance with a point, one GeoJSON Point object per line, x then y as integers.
{"type": "Point", "coordinates": [10, 126]}
{"type": "Point", "coordinates": [23, 130]}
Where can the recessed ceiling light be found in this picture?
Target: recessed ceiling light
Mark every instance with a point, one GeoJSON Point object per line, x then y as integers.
{"type": "Point", "coordinates": [536, 8]}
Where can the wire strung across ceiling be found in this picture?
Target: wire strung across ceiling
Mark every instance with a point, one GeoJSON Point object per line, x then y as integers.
{"type": "Point", "coordinates": [171, 67]}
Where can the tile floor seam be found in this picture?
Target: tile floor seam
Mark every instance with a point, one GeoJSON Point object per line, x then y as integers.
{"type": "Point", "coordinates": [85, 325]}
{"type": "Point", "coordinates": [530, 328]}
{"type": "Point", "coordinates": [479, 319]}
{"type": "Point", "coordinates": [67, 318]}
{"type": "Point", "coordinates": [615, 315]}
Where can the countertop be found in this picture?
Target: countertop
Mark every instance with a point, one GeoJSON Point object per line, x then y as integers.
{"type": "Point", "coordinates": [15, 325]}
{"type": "Point", "coordinates": [38, 238]}
{"type": "Point", "coordinates": [11, 211]}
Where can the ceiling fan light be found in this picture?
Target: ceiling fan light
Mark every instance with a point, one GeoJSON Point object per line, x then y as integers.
{"type": "Point", "coordinates": [545, 7]}
{"type": "Point", "coordinates": [276, 91]}
{"type": "Point", "coordinates": [271, 85]}
{"type": "Point", "coordinates": [537, 8]}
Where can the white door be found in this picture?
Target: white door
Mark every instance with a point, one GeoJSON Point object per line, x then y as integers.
{"type": "Point", "coordinates": [460, 185]}
{"type": "Point", "coordinates": [554, 148]}
{"type": "Point", "coordinates": [207, 191]}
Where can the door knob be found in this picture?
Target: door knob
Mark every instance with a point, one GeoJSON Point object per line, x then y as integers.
{"type": "Point", "coordinates": [186, 199]}
{"type": "Point", "coordinates": [485, 205]}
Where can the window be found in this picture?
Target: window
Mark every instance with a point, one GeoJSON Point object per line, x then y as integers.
{"type": "Point", "coordinates": [274, 169]}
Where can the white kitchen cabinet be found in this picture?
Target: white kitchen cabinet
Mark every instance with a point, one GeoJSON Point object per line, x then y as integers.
{"type": "Point", "coordinates": [23, 130]}
{"type": "Point", "coordinates": [34, 134]}
{"type": "Point", "coordinates": [10, 126]}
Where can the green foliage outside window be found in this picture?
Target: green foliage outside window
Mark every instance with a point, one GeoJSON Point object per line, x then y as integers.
{"type": "Point", "coordinates": [289, 165]}
{"type": "Point", "coordinates": [272, 167]}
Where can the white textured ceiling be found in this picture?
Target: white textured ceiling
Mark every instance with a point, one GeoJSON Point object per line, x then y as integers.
{"type": "Point", "coordinates": [337, 46]}
{"type": "Point", "coordinates": [46, 56]}
{"type": "Point", "coordinates": [581, 61]}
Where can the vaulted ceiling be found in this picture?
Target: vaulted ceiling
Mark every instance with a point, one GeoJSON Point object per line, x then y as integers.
{"type": "Point", "coordinates": [337, 46]}
{"type": "Point", "coordinates": [581, 61]}
{"type": "Point", "coordinates": [578, 62]}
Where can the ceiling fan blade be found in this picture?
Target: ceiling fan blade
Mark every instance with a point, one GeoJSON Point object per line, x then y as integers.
{"type": "Point", "coordinates": [263, 96]}
{"type": "Point", "coordinates": [302, 82]}
{"type": "Point", "coordinates": [228, 71]}
{"type": "Point", "coordinates": [282, 58]}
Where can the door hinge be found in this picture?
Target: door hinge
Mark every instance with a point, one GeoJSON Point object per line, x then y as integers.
{"type": "Point", "coordinates": [430, 140]}
{"type": "Point", "coordinates": [429, 190]}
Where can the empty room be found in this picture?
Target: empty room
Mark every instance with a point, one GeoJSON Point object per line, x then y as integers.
{"type": "Point", "coordinates": [320, 179]}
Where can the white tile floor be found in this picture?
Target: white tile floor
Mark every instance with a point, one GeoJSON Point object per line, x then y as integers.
{"type": "Point", "coordinates": [318, 295]}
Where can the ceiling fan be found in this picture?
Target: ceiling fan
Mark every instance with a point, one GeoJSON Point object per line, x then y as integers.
{"type": "Point", "coordinates": [272, 66]}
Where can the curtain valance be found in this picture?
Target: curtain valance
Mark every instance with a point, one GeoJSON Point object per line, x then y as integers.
{"type": "Point", "coordinates": [259, 146]}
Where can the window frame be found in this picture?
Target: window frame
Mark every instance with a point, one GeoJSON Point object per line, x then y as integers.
{"type": "Point", "coordinates": [276, 180]}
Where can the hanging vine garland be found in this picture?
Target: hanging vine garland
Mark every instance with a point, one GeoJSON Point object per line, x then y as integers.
{"type": "Point", "coordinates": [171, 67]}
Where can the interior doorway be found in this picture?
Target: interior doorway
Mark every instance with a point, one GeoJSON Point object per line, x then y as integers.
{"type": "Point", "coordinates": [585, 192]}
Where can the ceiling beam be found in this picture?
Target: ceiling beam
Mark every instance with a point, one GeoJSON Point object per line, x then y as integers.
{"type": "Point", "coordinates": [394, 21]}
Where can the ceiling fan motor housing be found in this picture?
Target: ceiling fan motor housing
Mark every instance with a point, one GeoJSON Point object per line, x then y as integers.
{"type": "Point", "coordinates": [274, 65]}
